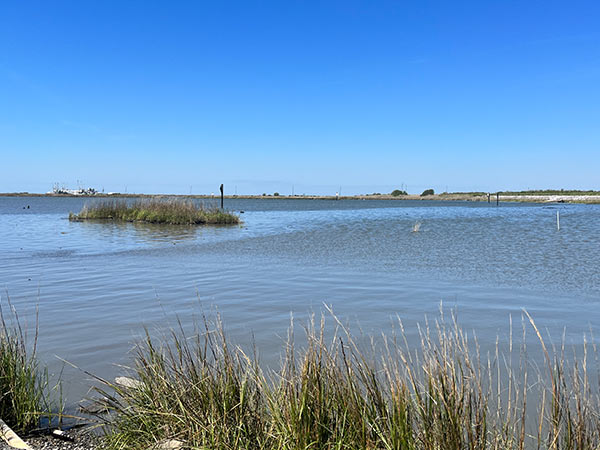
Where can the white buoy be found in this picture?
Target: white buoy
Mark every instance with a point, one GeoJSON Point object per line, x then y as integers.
{"type": "Point", "coordinates": [557, 220]}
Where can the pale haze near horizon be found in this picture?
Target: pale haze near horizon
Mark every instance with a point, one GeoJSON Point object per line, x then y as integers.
{"type": "Point", "coordinates": [299, 96]}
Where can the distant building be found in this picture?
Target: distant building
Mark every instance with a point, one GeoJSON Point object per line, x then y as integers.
{"type": "Point", "coordinates": [62, 190]}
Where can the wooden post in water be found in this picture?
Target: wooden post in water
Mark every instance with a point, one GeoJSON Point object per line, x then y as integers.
{"type": "Point", "coordinates": [557, 221]}
{"type": "Point", "coordinates": [221, 189]}
{"type": "Point", "coordinates": [489, 195]}
{"type": "Point", "coordinates": [497, 198]}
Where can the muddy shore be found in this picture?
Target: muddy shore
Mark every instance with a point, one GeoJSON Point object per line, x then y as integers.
{"type": "Point", "coordinates": [75, 439]}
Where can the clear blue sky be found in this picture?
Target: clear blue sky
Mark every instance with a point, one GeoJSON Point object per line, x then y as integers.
{"type": "Point", "coordinates": [367, 95]}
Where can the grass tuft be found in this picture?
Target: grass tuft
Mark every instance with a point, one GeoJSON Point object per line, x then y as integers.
{"type": "Point", "coordinates": [172, 212]}
{"type": "Point", "coordinates": [332, 394]}
{"type": "Point", "coordinates": [24, 383]}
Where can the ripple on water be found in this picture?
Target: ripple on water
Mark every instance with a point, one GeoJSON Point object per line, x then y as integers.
{"type": "Point", "coordinates": [97, 283]}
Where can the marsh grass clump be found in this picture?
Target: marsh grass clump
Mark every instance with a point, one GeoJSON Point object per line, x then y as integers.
{"type": "Point", "coordinates": [171, 212]}
{"type": "Point", "coordinates": [340, 393]}
{"type": "Point", "coordinates": [197, 390]}
{"type": "Point", "coordinates": [24, 383]}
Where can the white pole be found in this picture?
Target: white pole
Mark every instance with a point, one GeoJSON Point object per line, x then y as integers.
{"type": "Point", "coordinates": [557, 220]}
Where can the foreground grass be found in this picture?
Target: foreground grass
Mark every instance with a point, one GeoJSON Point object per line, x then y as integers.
{"type": "Point", "coordinates": [332, 395]}
{"type": "Point", "coordinates": [24, 384]}
{"type": "Point", "coordinates": [173, 212]}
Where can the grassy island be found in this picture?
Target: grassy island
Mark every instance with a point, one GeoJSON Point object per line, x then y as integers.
{"type": "Point", "coordinates": [172, 212]}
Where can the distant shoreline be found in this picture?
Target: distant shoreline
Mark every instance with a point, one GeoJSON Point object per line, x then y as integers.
{"type": "Point", "coordinates": [591, 198]}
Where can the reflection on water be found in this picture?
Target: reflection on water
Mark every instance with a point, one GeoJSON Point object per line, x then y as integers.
{"type": "Point", "coordinates": [96, 283]}
{"type": "Point", "coordinates": [138, 231]}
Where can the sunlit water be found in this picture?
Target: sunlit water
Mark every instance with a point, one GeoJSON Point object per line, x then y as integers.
{"type": "Point", "coordinates": [98, 284]}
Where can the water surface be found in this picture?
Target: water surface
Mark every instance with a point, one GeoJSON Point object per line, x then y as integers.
{"type": "Point", "coordinates": [97, 284]}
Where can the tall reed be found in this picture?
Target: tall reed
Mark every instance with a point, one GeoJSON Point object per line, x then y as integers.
{"type": "Point", "coordinates": [25, 391]}
{"type": "Point", "coordinates": [339, 392]}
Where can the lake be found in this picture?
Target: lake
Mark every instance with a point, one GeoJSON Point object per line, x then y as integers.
{"type": "Point", "coordinates": [97, 284]}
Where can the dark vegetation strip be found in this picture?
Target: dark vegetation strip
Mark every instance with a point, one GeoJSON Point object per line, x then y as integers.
{"type": "Point", "coordinates": [172, 212]}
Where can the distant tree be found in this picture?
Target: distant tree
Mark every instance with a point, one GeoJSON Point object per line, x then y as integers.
{"type": "Point", "coordinates": [398, 192]}
{"type": "Point", "coordinates": [276, 194]}
{"type": "Point", "coordinates": [264, 194]}
{"type": "Point", "coordinates": [427, 192]}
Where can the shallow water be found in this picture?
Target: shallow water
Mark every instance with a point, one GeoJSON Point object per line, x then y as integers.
{"type": "Point", "coordinates": [97, 284]}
